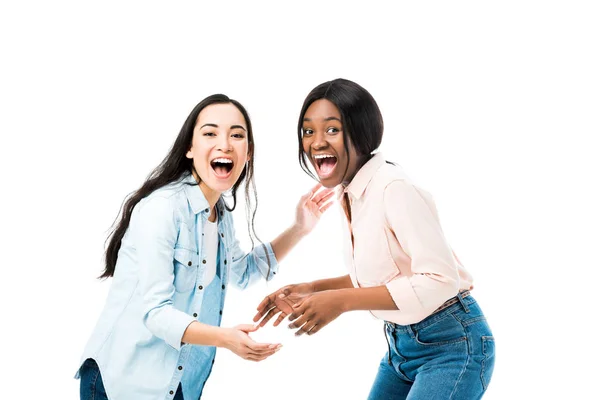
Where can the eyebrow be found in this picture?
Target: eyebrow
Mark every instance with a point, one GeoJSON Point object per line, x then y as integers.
{"type": "Point", "coordinates": [326, 119]}
{"type": "Point", "coordinates": [232, 126]}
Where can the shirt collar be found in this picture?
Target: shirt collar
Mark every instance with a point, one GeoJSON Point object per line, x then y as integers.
{"type": "Point", "coordinates": [364, 175]}
{"type": "Point", "coordinates": [194, 195]}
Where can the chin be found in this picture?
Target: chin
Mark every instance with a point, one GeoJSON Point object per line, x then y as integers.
{"type": "Point", "coordinates": [329, 182]}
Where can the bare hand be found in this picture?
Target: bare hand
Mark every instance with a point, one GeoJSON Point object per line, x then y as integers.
{"type": "Point", "coordinates": [315, 311]}
{"type": "Point", "coordinates": [281, 301]}
{"type": "Point", "coordinates": [239, 342]}
{"type": "Point", "coordinates": [311, 206]}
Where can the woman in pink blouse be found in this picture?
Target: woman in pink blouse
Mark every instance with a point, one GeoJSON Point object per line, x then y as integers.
{"type": "Point", "coordinates": [400, 266]}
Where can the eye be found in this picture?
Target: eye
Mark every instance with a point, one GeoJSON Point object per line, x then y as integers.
{"type": "Point", "coordinates": [307, 132]}
{"type": "Point", "coordinates": [332, 130]}
{"type": "Point", "coordinates": [209, 134]}
{"type": "Point", "coordinates": [238, 135]}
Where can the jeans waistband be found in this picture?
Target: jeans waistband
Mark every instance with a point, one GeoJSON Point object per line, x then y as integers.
{"type": "Point", "coordinates": [461, 300]}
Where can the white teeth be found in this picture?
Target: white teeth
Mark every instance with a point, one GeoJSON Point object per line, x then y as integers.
{"type": "Point", "coordinates": [320, 156]}
{"type": "Point", "coordinates": [223, 160]}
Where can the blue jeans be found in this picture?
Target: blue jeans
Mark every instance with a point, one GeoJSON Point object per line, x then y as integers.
{"type": "Point", "coordinates": [448, 355]}
{"type": "Point", "coordinates": [91, 386]}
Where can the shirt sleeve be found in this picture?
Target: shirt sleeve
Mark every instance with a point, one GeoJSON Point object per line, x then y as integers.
{"type": "Point", "coordinates": [154, 236]}
{"type": "Point", "coordinates": [434, 270]}
{"type": "Point", "coordinates": [248, 268]}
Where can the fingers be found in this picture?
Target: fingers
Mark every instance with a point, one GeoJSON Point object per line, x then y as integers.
{"type": "Point", "coordinates": [263, 310]}
{"type": "Point", "coordinates": [307, 328]}
{"type": "Point", "coordinates": [267, 302]}
{"type": "Point", "coordinates": [315, 189]}
{"type": "Point", "coordinates": [298, 322]}
{"type": "Point", "coordinates": [260, 356]}
{"type": "Point", "coordinates": [323, 196]}
{"type": "Point", "coordinates": [315, 329]}
{"type": "Point", "coordinates": [280, 318]}
{"type": "Point", "coordinates": [269, 315]}
{"type": "Point", "coordinates": [325, 207]}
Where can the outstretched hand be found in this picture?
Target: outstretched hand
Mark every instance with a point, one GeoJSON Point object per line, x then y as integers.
{"type": "Point", "coordinates": [315, 311]}
{"type": "Point", "coordinates": [239, 342]}
{"type": "Point", "coordinates": [281, 301]}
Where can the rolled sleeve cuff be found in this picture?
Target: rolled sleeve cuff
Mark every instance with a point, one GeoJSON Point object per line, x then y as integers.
{"type": "Point", "coordinates": [404, 295]}
{"type": "Point", "coordinates": [270, 256]}
{"type": "Point", "coordinates": [179, 324]}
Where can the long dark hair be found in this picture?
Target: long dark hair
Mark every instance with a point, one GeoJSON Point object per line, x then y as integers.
{"type": "Point", "coordinates": [362, 121]}
{"type": "Point", "coordinates": [171, 169]}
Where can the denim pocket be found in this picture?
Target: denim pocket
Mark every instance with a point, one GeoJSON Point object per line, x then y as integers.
{"type": "Point", "coordinates": [447, 330]}
{"type": "Point", "coordinates": [185, 269]}
{"type": "Point", "coordinates": [487, 365]}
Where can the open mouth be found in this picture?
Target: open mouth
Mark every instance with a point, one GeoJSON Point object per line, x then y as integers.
{"type": "Point", "coordinates": [325, 164]}
{"type": "Point", "coordinates": [222, 166]}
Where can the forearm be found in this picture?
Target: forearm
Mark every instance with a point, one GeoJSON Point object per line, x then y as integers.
{"type": "Point", "coordinates": [373, 298]}
{"type": "Point", "coordinates": [341, 282]}
{"type": "Point", "coordinates": [286, 241]}
{"type": "Point", "coordinates": [204, 335]}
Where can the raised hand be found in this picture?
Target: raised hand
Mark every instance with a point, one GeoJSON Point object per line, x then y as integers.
{"type": "Point", "coordinates": [311, 206]}
{"type": "Point", "coordinates": [281, 301]}
{"type": "Point", "coordinates": [239, 342]}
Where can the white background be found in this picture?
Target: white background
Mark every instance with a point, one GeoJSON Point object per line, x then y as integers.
{"type": "Point", "coordinates": [492, 107]}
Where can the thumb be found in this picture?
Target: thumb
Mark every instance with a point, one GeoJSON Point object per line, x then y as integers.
{"type": "Point", "coordinates": [247, 328]}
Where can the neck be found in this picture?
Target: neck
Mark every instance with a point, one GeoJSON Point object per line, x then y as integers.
{"type": "Point", "coordinates": [211, 196]}
{"type": "Point", "coordinates": [362, 160]}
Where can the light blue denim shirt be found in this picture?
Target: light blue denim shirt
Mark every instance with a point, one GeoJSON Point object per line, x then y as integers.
{"type": "Point", "coordinates": [157, 291]}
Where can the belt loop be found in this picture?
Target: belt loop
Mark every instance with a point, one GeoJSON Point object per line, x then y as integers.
{"type": "Point", "coordinates": [385, 332]}
{"type": "Point", "coordinates": [463, 303]}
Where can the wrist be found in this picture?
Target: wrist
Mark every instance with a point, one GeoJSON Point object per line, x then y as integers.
{"type": "Point", "coordinates": [298, 231]}
{"type": "Point", "coordinates": [223, 337]}
{"type": "Point", "coordinates": [345, 299]}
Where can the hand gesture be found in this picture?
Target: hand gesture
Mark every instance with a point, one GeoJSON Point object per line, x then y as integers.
{"type": "Point", "coordinates": [281, 301]}
{"type": "Point", "coordinates": [239, 342]}
{"type": "Point", "coordinates": [315, 311]}
{"type": "Point", "coordinates": [311, 206]}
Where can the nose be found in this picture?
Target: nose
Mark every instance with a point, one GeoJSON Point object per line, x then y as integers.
{"type": "Point", "coordinates": [319, 141]}
{"type": "Point", "coordinates": [225, 144]}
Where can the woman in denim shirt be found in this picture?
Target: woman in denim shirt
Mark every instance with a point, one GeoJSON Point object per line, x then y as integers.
{"type": "Point", "coordinates": [171, 256]}
{"type": "Point", "coordinates": [400, 265]}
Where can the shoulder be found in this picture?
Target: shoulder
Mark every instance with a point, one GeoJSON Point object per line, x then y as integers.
{"type": "Point", "coordinates": [395, 184]}
{"type": "Point", "coordinates": [166, 201]}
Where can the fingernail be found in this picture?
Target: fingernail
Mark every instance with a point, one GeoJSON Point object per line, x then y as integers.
{"type": "Point", "coordinates": [281, 295]}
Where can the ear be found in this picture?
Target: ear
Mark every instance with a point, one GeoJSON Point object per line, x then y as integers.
{"type": "Point", "coordinates": [249, 156]}
{"type": "Point", "coordinates": [189, 154]}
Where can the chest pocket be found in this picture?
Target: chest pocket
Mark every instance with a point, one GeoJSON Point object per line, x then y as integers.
{"type": "Point", "coordinates": [185, 266]}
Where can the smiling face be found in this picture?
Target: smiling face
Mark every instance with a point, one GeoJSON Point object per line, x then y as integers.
{"type": "Point", "coordinates": [323, 144]}
{"type": "Point", "coordinates": [219, 147]}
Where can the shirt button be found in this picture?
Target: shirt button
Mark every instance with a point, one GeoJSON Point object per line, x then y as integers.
{"type": "Point", "coordinates": [206, 210]}
{"type": "Point", "coordinates": [222, 235]}
{"type": "Point", "coordinates": [195, 315]}
{"type": "Point", "coordinates": [180, 368]}
{"type": "Point", "coordinates": [274, 273]}
{"type": "Point", "coordinates": [200, 287]}
{"type": "Point", "coordinates": [221, 213]}
{"type": "Point", "coordinates": [223, 287]}
{"type": "Point", "coordinates": [170, 392]}
{"type": "Point", "coordinates": [213, 361]}
{"type": "Point", "coordinates": [189, 263]}
{"type": "Point", "coordinates": [203, 261]}
{"type": "Point", "coordinates": [225, 262]}
{"type": "Point", "coordinates": [220, 312]}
